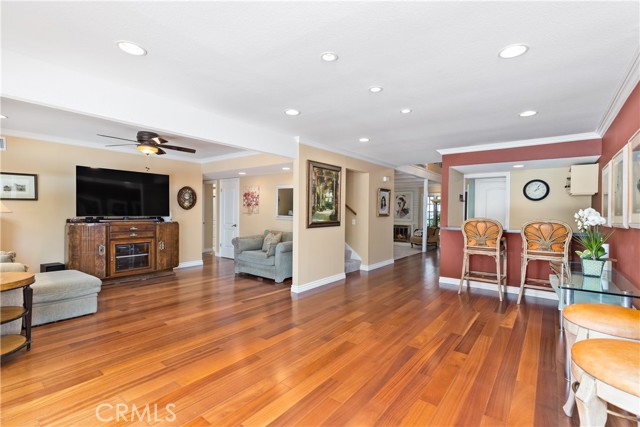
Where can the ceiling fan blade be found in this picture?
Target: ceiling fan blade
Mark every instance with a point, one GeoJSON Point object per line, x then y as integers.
{"type": "Point", "coordinates": [118, 145]}
{"type": "Point", "coordinates": [115, 137]}
{"type": "Point", "coordinates": [159, 140]}
{"type": "Point", "coordinates": [175, 147]}
{"type": "Point", "coordinates": [161, 151]}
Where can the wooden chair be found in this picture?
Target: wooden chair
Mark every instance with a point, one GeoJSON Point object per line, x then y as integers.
{"type": "Point", "coordinates": [483, 236]}
{"type": "Point", "coordinates": [545, 241]}
{"type": "Point", "coordinates": [606, 371]}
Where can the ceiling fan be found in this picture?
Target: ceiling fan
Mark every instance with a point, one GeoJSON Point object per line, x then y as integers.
{"type": "Point", "coordinates": [150, 143]}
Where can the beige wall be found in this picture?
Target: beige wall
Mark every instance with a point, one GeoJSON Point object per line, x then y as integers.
{"type": "Point", "coordinates": [357, 196]}
{"type": "Point", "coordinates": [251, 224]}
{"type": "Point", "coordinates": [319, 252]}
{"type": "Point", "coordinates": [557, 205]}
{"type": "Point", "coordinates": [455, 207]}
{"type": "Point", "coordinates": [36, 229]}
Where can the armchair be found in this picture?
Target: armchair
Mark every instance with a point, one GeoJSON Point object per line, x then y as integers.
{"type": "Point", "coordinates": [433, 237]}
{"type": "Point", "coordinates": [276, 263]}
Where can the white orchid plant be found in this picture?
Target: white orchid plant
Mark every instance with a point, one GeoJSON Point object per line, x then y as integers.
{"type": "Point", "coordinates": [589, 221]}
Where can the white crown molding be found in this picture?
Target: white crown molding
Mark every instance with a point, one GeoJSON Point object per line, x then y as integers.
{"type": "Point", "coordinates": [82, 144]}
{"type": "Point", "coordinates": [421, 173]}
{"type": "Point", "coordinates": [296, 289]}
{"type": "Point", "coordinates": [521, 143]}
{"type": "Point", "coordinates": [514, 290]}
{"type": "Point", "coordinates": [348, 153]}
{"type": "Point", "coordinates": [369, 267]}
{"type": "Point", "coordinates": [629, 82]}
{"type": "Point", "coordinates": [229, 156]}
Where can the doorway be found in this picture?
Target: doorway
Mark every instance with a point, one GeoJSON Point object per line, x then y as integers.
{"type": "Point", "coordinates": [229, 215]}
{"type": "Point", "coordinates": [488, 197]}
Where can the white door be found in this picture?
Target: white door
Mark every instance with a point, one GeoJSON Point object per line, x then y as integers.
{"type": "Point", "coordinates": [229, 214]}
{"type": "Point", "coordinates": [491, 199]}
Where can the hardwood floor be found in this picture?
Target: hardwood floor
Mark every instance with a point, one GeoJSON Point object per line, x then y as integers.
{"type": "Point", "coordinates": [388, 347]}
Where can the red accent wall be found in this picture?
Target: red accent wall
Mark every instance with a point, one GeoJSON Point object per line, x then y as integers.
{"type": "Point", "coordinates": [624, 244]}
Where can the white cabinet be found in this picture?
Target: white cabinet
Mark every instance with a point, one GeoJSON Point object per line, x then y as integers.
{"type": "Point", "coordinates": [584, 180]}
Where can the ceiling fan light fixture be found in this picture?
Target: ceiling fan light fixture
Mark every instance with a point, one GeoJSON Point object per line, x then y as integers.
{"type": "Point", "coordinates": [147, 149]}
{"type": "Point", "coordinates": [131, 48]}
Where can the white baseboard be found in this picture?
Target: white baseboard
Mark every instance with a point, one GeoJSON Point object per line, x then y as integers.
{"type": "Point", "coordinates": [367, 267]}
{"type": "Point", "coordinates": [186, 264]}
{"type": "Point", "coordinates": [296, 289]}
{"type": "Point", "coordinates": [510, 289]}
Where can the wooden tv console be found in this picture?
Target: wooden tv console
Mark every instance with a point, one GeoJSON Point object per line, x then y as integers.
{"type": "Point", "coordinates": [121, 249]}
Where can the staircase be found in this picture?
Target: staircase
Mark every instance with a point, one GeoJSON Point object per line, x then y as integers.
{"type": "Point", "coordinates": [350, 265]}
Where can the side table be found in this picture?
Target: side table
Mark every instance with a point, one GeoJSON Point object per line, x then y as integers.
{"type": "Point", "coordinates": [8, 282]}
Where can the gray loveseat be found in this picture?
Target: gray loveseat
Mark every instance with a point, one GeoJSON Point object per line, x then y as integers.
{"type": "Point", "coordinates": [249, 257]}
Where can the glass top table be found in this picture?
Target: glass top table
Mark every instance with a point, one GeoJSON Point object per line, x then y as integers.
{"type": "Point", "coordinates": [611, 288]}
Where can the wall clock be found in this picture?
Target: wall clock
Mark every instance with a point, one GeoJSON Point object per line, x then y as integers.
{"type": "Point", "coordinates": [187, 198]}
{"type": "Point", "coordinates": [536, 190]}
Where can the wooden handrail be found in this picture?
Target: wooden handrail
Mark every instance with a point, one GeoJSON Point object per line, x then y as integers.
{"type": "Point", "coordinates": [351, 209]}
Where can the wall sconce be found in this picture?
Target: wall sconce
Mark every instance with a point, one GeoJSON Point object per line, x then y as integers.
{"type": "Point", "coordinates": [385, 179]}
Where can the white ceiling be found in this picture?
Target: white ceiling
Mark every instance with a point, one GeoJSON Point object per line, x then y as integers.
{"type": "Point", "coordinates": [224, 72]}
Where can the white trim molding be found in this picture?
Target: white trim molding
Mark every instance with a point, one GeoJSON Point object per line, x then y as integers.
{"type": "Point", "coordinates": [296, 289]}
{"type": "Point", "coordinates": [629, 82]}
{"type": "Point", "coordinates": [369, 267]}
{"type": "Point", "coordinates": [187, 264]}
{"type": "Point", "coordinates": [514, 290]}
{"type": "Point", "coordinates": [521, 143]}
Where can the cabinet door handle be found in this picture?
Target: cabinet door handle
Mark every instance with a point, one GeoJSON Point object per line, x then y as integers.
{"type": "Point", "coordinates": [133, 234]}
{"type": "Point", "coordinates": [101, 250]}
{"type": "Point", "coordinates": [133, 228]}
{"type": "Point", "coordinates": [161, 245]}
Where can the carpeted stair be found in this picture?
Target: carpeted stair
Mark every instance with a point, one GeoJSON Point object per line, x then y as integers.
{"type": "Point", "coordinates": [350, 265]}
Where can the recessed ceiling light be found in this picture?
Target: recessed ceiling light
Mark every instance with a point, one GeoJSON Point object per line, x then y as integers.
{"type": "Point", "coordinates": [285, 168]}
{"type": "Point", "coordinates": [405, 110]}
{"type": "Point", "coordinates": [329, 56]}
{"type": "Point", "coordinates": [131, 48]}
{"type": "Point", "coordinates": [364, 140]}
{"type": "Point", "coordinates": [242, 173]}
{"type": "Point", "coordinates": [2, 116]}
{"type": "Point", "coordinates": [375, 89]}
{"type": "Point", "coordinates": [518, 166]}
{"type": "Point", "coordinates": [513, 51]}
{"type": "Point", "coordinates": [528, 113]}
{"type": "Point", "coordinates": [292, 112]}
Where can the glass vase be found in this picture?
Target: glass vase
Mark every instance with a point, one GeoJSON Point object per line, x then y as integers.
{"type": "Point", "coordinates": [592, 267]}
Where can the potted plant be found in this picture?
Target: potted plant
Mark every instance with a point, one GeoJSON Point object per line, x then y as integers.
{"type": "Point", "coordinates": [589, 221]}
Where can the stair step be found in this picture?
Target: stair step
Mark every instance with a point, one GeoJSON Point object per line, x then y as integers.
{"type": "Point", "coordinates": [347, 254]}
{"type": "Point", "coordinates": [352, 265]}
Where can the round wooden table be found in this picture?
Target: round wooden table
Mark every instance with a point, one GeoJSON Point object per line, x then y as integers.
{"type": "Point", "coordinates": [10, 281]}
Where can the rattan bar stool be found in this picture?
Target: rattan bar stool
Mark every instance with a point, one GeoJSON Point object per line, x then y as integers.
{"type": "Point", "coordinates": [483, 236]}
{"type": "Point", "coordinates": [545, 241]}
{"type": "Point", "coordinates": [606, 371]}
{"type": "Point", "coordinates": [588, 321]}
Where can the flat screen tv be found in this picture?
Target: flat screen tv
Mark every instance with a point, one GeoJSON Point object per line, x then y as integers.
{"type": "Point", "coordinates": [117, 193]}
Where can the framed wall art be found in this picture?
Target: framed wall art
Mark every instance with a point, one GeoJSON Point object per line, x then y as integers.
{"type": "Point", "coordinates": [606, 193]}
{"type": "Point", "coordinates": [403, 207]}
{"type": "Point", "coordinates": [634, 180]}
{"type": "Point", "coordinates": [323, 193]}
{"type": "Point", "coordinates": [384, 202]}
{"type": "Point", "coordinates": [620, 188]}
{"type": "Point", "coordinates": [18, 186]}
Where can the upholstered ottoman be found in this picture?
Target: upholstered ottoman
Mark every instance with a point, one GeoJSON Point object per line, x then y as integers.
{"type": "Point", "coordinates": [59, 295]}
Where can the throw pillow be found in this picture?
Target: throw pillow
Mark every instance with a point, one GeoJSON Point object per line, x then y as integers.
{"type": "Point", "coordinates": [270, 238]}
{"type": "Point", "coordinates": [272, 250]}
{"type": "Point", "coordinates": [7, 256]}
